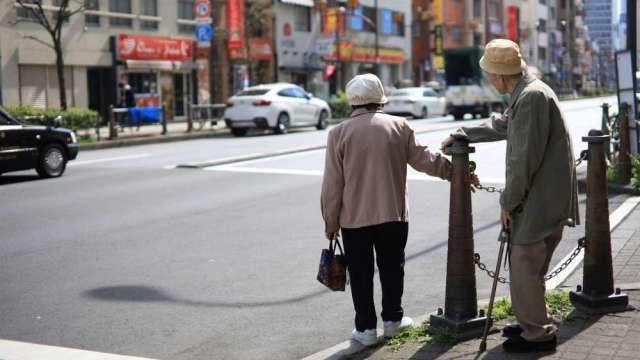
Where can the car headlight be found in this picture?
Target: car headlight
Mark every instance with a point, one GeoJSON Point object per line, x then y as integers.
{"type": "Point", "coordinates": [73, 138]}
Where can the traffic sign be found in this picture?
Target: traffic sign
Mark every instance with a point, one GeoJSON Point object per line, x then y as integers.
{"type": "Point", "coordinates": [202, 8]}
{"type": "Point", "coordinates": [204, 33]}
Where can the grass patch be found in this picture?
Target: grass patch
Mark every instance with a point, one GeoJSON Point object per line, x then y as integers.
{"type": "Point", "coordinates": [420, 335]}
{"type": "Point", "coordinates": [502, 310]}
{"type": "Point", "coordinates": [559, 305]}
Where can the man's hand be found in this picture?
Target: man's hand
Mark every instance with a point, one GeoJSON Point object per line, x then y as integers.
{"type": "Point", "coordinates": [505, 219]}
{"type": "Point", "coordinates": [475, 182]}
{"type": "Point", "coordinates": [332, 235]}
{"type": "Point", "coordinates": [448, 141]}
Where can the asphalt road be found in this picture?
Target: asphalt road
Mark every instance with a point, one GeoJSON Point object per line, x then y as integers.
{"type": "Point", "coordinates": [127, 254]}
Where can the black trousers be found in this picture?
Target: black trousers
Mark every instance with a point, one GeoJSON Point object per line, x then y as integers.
{"type": "Point", "coordinates": [389, 241]}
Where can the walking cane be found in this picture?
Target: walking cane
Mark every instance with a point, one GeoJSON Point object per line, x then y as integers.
{"type": "Point", "coordinates": [503, 239]}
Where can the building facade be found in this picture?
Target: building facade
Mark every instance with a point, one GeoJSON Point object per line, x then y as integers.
{"type": "Point", "coordinates": [599, 21]}
{"type": "Point", "coordinates": [145, 43]}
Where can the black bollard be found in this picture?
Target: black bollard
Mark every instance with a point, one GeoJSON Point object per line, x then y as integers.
{"type": "Point", "coordinates": [597, 294]}
{"type": "Point", "coordinates": [606, 129]}
{"type": "Point", "coordinates": [460, 317]}
{"type": "Point", "coordinates": [624, 160]}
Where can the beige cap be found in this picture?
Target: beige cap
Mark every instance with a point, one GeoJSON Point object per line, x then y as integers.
{"type": "Point", "coordinates": [502, 57]}
{"type": "Point", "coordinates": [365, 89]}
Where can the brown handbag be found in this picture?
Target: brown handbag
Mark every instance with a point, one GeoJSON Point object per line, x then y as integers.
{"type": "Point", "coordinates": [333, 267]}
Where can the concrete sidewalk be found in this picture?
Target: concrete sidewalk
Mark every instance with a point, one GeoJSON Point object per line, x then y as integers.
{"type": "Point", "coordinates": [611, 336]}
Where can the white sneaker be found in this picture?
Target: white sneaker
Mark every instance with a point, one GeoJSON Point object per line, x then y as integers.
{"type": "Point", "coordinates": [366, 338]}
{"type": "Point", "coordinates": [391, 328]}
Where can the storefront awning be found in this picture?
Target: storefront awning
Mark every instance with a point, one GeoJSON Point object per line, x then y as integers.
{"type": "Point", "coordinates": [160, 65]}
{"type": "Point", "coordinates": [308, 3]}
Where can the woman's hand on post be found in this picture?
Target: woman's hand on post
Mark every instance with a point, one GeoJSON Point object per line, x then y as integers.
{"type": "Point", "coordinates": [446, 142]}
{"type": "Point", "coordinates": [475, 182]}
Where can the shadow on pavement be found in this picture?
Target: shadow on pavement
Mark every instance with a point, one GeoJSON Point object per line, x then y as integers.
{"type": "Point", "coordinates": [15, 179]}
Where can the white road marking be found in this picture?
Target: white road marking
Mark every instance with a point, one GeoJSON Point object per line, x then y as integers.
{"type": "Point", "coordinates": [15, 350]}
{"type": "Point", "coordinates": [614, 220]}
{"type": "Point", "coordinates": [96, 161]}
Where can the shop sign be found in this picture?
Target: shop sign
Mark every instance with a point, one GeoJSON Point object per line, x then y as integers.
{"type": "Point", "coordinates": [438, 62]}
{"type": "Point", "coordinates": [143, 47]}
{"type": "Point", "coordinates": [324, 47]}
{"type": "Point", "coordinates": [235, 24]}
{"type": "Point", "coordinates": [260, 49]}
{"type": "Point", "coordinates": [357, 20]}
{"type": "Point", "coordinates": [333, 21]}
{"type": "Point", "coordinates": [437, 11]}
{"type": "Point", "coordinates": [204, 34]}
{"type": "Point", "coordinates": [439, 40]}
{"type": "Point", "coordinates": [512, 23]}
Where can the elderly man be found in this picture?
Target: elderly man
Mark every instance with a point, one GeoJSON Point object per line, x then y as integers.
{"type": "Point", "coordinates": [364, 194]}
{"type": "Point", "coordinates": [540, 195]}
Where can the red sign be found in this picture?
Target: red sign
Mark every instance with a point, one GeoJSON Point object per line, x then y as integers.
{"type": "Point", "coordinates": [512, 23]}
{"type": "Point", "coordinates": [260, 49]}
{"type": "Point", "coordinates": [286, 29]}
{"type": "Point", "coordinates": [235, 24]}
{"type": "Point", "coordinates": [202, 8]}
{"type": "Point", "coordinates": [142, 47]}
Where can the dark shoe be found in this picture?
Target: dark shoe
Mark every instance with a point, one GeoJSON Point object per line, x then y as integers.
{"type": "Point", "coordinates": [520, 345]}
{"type": "Point", "coordinates": [512, 330]}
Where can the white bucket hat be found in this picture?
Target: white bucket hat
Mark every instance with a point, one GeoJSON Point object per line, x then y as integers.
{"type": "Point", "coordinates": [502, 57]}
{"type": "Point", "coordinates": [365, 89]}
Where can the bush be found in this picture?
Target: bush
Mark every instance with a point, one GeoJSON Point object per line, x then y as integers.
{"type": "Point", "coordinates": [340, 107]}
{"type": "Point", "coordinates": [73, 118]}
{"type": "Point", "coordinates": [635, 172]}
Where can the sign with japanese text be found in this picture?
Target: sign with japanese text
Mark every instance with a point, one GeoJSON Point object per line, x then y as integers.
{"type": "Point", "coordinates": [235, 24]}
{"type": "Point", "coordinates": [144, 47]}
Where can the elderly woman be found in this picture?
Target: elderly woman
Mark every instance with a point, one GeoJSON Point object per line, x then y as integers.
{"type": "Point", "coordinates": [540, 194]}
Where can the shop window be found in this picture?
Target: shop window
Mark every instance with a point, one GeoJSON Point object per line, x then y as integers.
{"type": "Point", "coordinates": [542, 54]}
{"type": "Point", "coordinates": [149, 7]}
{"type": "Point", "coordinates": [39, 86]}
{"type": "Point", "coordinates": [456, 33]}
{"type": "Point", "coordinates": [120, 6]}
{"type": "Point", "coordinates": [92, 20]}
{"type": "Point", "coordinates": [185, 12]}
{"type": "Point", "coordinates": [24, 13]}
{"type": "Point", "coordinates": [302, 19]}
{"type": "Point", "coordinates": [494, 10]}
{"type": "Point", "coordinates": [542, 25]}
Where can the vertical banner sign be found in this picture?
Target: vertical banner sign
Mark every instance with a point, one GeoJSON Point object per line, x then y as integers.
{"type": "Point", "coordinates": [437, 12]}
{"type": "Point", "coordinates": [512, 24]}
{"type": "Point", "coordinates": [438, 51]}
{"type": "Point", "coordinates": [386, 21]}
{"type": "Point", "coordinates": [333, 21]}
{"type": "Point", "coordinates": [235, 24]}
{"type": "Point", "coordinates": [357, 21]}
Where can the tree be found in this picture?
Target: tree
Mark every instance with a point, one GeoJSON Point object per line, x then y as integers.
{"type": "Point", "coordinates": [42, 16]}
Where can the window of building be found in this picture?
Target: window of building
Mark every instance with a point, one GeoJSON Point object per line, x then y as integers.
{"type": "Point", "coordinates": [185, 12]}
{"type": "Point", "coordinates": [544, 2]}
{"type": "Point", "coordinates": [415, 29]}
{"type": "Point", "coordinates": [398, 23]}
{"type": "Point", "coordinates": [563, 4]}
{"type": "Point", "coordinates": [120, 6]}
{"type": "Point", "coordinates": [542, 54]}
{"type": "Point", "coordinates": [542, 25]}
{"type": "Point", "coordinates": [302, 19]}
{"type": "Point", "coordinates": [477, 9]}
{"type": "Point", "coordinates": [552, 12]}
{"type": "Point", "coordinates": [456, 33]}
{"type": "Point", "coordinates": [370, 14]}
{"type": "Point", "coordinates": [149, 7]}
{"type": "Point", "coordinates": [92, 20]}
{"type": "Point", "coordinates": [494, 10]}
{"type": "Point", "coordinates": [477, 39]}
{"type": "Point", "coordinates": [27, 13]}
{"type": "Point", "coordinates": [55, 13]}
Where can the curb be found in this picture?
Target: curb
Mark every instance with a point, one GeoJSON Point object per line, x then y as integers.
{"type": "Point", "coordinates": [153, 139]}
{"type": "Point", "coordinates": [611, 188]}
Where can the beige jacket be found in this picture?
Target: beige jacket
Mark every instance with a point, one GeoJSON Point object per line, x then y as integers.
{"type": "Point", "coordinates": [541, 191]}
{"type": "Point", "coordinates": [365, 172]}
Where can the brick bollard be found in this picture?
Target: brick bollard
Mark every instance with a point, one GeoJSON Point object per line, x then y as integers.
{"type": "Point", "coordinates": [597, 295]}
{"type": "Point", "coordinates": [460, 317]}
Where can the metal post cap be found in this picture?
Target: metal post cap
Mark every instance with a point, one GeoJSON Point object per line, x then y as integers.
{"type": "Point", "coordinates": [596, 136]}
{"type": "Point", "coordinates": [459, 146]}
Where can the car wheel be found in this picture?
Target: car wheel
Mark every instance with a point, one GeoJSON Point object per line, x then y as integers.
{"type": "Point", "coordinates": [424, 113]}
{"type": "Point", "coordinates": [52, 161]}
{"type": "Point", "coordinates": [458, 115]}
{"type": "Point", "coordinates": [323, 120]}
{"type": "Point", "coordinates": [282, 126]}
{"type": "Point", "coordinates": [238, 132]}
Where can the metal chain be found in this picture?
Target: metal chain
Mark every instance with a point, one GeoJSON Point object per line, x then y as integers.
{"type": "Point", "coordinates": [563, 266]}
{"type": "Point", "coordinates": [584, 154]}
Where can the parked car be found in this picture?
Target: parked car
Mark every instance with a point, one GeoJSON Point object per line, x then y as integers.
{"type": "Point", "coordinates": [278, 106]}
{"type": "Point", "coordinates": [419, 102]}
{"type": "Point", "coordinates": [44, 148]}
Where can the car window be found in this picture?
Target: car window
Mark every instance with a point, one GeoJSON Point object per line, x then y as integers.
{"type": "Point", "coordinates": [430, 93]}
{"type": "Point", "coordinates": [252, 92]}
{"type": "Point", "coordinates": [299, 93]}
{"type": "Point", "coordinates": [5, 119]}
{"type": "Point", "coordinates": [288, 92]}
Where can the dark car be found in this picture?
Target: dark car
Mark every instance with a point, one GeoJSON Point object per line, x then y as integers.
{"type": "Point", "coordinates": [44, 148]}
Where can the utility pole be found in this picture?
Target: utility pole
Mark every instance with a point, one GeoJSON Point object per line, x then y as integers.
{"type": "Point", "coordinates": [220, 56]}
{"type": "Point", "coordinates": [377, 40]}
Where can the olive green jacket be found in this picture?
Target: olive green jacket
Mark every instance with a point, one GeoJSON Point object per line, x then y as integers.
{"type": "Point", "coordinates": [541, 192]}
